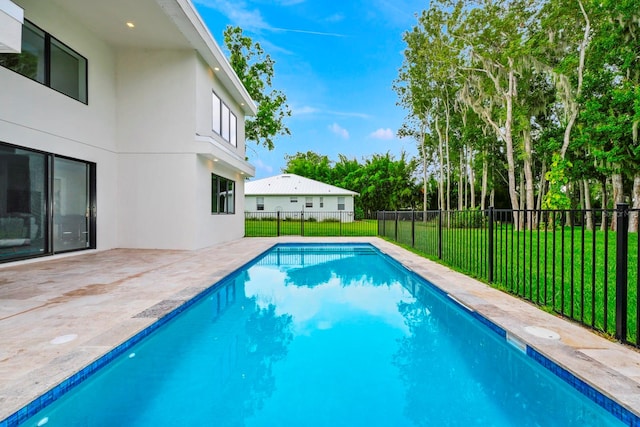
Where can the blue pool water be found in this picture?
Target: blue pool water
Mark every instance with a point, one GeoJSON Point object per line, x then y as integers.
{"type": "Point", "coordinates": [323, 336]}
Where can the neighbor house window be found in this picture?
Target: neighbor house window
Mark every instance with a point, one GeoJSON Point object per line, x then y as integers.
{"type": "Point", "coordinates": [340, 203]}
{"type": "Point", "coordinates": [260, 203]}
{"type": "Point", "coordinates": [322, 202]}
{"type": "Point", "coordinates": [308, 203]}
{"type": "Point", "coordinates": [224, 122]}
{"type": "Point", "coordinates": [47, 60]}
{"type": "Point", "coordinates": [222, 195]}
{"type": "Point", "coordinates": [293, 200]}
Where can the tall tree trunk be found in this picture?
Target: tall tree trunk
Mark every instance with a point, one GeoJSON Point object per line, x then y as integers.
{"type": "Point", "coordinates": [618, 195]}
{"type": "Point", "coordinates": [569, 217]}
{"type": "Point", "coordinates": [423, 152]}
{"type": "Point", "coordinates": [485, 179]}
{"type": "Point", "coordinates": [472, 181]}
{"type": "Point", "coordinates": [605, 202]}
{"type": "Point", "coordinates": [571, 103]}
{"type": "Point", "coordinates": [461, 184]}
{"type": "Point", "coordinates": [542, 186]}
{"type": "Point", "coordinates": [528, 175]}
{"type": "Point", "coordinates": [508, 139]}
{"type": "Point", "coordinates": [633, 217]}
{"type": "Point", "coordinates": [446, 144]}
{"type": "Point", "coordinates": [587, 205]}
{"type": "Point", "coordinates": [442, 162]}
{"type": "Point", "coordinates": [521, 194]}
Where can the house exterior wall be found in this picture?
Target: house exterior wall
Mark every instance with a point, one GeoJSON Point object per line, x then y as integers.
{"type": "Point", "coordinates": [37, 117]}
{"type": "Point", "coordinates": [281, 203]}
{"type": "Point", "coordinates": [148, 111]}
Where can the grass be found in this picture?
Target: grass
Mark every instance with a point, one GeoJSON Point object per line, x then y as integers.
{"type": "Point", "coordinates": [269, 227]}
{"type": "Point", "coordinates": [567, 270]}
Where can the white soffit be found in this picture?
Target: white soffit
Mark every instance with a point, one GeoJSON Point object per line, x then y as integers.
{"type": "Point", "coordinates": [11, 17]}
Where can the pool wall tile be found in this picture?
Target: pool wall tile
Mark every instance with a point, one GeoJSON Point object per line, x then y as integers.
{"type": "Point", "coordinates": [619, 411]}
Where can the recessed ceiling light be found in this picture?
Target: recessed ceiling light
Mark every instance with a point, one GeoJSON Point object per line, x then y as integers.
{"type": "Point", "coordinates": [215, 160]}
{"type": "Point", "coordinates": [130, 24]}
{"type": "Point", "coordinates": [242, 103]}
{"type": "Point", "coordinates": [216, 68]}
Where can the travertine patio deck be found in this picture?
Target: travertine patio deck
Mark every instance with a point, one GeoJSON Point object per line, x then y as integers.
{"type": "Point", "coordinates": [95, 298]}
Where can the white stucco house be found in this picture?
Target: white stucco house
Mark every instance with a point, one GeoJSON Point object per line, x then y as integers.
{"type": "Point", "coordinates": [292, 194]}
{"type": "Point", "coordinates": [121, 126]}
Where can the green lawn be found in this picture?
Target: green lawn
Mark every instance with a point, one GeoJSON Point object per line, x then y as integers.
{"type": "Point", "coordinates": [269, 227]}
{"type": "Point", "coordinates": [568, 270]}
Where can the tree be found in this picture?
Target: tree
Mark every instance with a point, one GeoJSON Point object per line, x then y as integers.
{"type": "Point", "coordinates": [255, 70]}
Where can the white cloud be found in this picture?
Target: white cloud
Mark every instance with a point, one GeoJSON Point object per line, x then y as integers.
{"type": "Point", "coordinates": [304, 110]}
{"type": "Point", "coordinates": [338, 17]}
{"type": "Point", "coordinates": [339, 130]}
{"type": "Point", "coordinates": [238, 12]}
{"type": "Point", "coordinates": [259, 164]}
{"type": "Point", "coordinates": [247, 18]}
{"type": "Point", "coordinates": [381, 133]}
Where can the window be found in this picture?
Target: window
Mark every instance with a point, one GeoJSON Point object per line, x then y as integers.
{"type": "Point", "coordinates": [340, 203]}
{"type": "Point", "coordinates": [222, 195]}
{"type": "Point", "coordinates": [293, 200]}
{"type": "Point", "coordinates": [30, 182]}
{"type": "Point", "coordinates": [322, 202]}
{"type": "Point", "coordinates": [47, 60]}
{"type": "Point", "coordinates": [260, 203]}
{"type": "Point", "coordinates": [224, 122]}
{"type": "Point", "coordinates": [233, 124]}
{"type": "Point", "coordinates": [308, 202]}
{"type": "Point", "coordinates": [217, 120]}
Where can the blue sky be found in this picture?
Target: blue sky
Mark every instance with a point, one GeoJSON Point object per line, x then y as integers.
{"type": "Point", "coordinates": [335, 62]}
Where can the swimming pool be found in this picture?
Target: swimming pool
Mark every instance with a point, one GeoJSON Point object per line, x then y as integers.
{"type": "Point", "coordinates": [323, 335]}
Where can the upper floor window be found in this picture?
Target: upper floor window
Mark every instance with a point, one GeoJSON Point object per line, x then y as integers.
{"type": "Point", "coordinates": [308, 203]}
{"type": "Point", "coordinates": [225, 123]}
{"type": "Point", "coordinates": [47, 60]}
{"type": "Point", "coordinates": [340, 203]}
{"type": "Point", "coordinates": [260, 203]}
{"type": "Point", "coordinates": [293, 199]}
{"type": "Point", "coordinates": [222, 195]}
{"type": "Point", "coordinates": [321, 202]}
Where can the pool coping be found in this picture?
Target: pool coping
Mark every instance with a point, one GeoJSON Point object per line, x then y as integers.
{"type": "Point", "coordinates": [494, 308]}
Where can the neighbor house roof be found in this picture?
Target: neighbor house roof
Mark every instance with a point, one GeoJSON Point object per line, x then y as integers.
{"type": "Point", "coordinates": [292, 184]}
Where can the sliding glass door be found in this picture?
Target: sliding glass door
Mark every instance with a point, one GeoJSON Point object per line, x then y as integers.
{"type": "Point", "coordinates": [70, 204]}
{"type": "Point", "coordinates": [46, 203]}
{"type": "Point", "coordinates": [23, 191]}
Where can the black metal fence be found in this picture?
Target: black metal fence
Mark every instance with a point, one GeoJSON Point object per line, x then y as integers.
{"type": "Point", "coordinates": [580, 264]}
{"type": "Point", "coordinates": [308, 223]}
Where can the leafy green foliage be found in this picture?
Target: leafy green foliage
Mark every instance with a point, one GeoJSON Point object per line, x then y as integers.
{"type": "Point", "coordinates": [255, 70]}
{"type": "Point", "coordinates": [383, 182]}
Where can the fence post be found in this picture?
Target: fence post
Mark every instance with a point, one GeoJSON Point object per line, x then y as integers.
{"type": "Point", "coordinates": [413, 228]}
{"type": "Point", "coordinates": [302, 223]}
{"type": "Point", "coordinates": [439, 233]}
{"type": "Point", "coordinates": [340, 223]}
{"type": "Point", "coordinates": [490, 247]}
{"type": "Point", "coordinates": [622, 239]}
{"type": "Point", "coordinates": [278, 223]}
{"type": "Point", "coordinates": [396, 230]}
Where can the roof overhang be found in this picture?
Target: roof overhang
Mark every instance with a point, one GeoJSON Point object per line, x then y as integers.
{"type": "Point", "coordinates": [11, 18]}
{"type": "Point", "coordinates": [159, 24]}
{"type": "Point", "coordinates": [217, 152]}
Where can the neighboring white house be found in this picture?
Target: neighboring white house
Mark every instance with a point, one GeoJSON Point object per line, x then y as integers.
{"type": "Point", "coordinates": [121, 125]}
{"type": "Point", "coordinates": [293, 194]}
